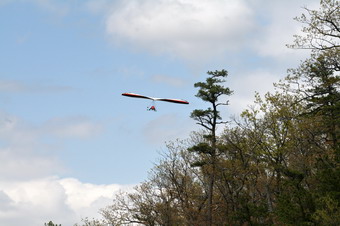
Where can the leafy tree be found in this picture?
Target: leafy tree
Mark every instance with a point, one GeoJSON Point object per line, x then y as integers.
{"type": "Point", "coordinates": [322, 27]}
{"type": "Point", "coordinates": [280, 156]}
{"type": "Point", "coordinates": [329, 213]}
{"type": "Point", "coordinates": [171, 196]}
{"type": "Point", "coordinates": [317, 81]}
{"type": "Point", "coordinates": [318, 84]}
{"type": "Point", "coordinates": [239, 176]}
{"type": "Point", "coordinates": [94, 222]}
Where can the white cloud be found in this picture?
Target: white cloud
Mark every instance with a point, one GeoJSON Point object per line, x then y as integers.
{"type": "Point", "coordinates": [29, 195]}
{"type": "Point", "coordinates": [81, 197]}
{"type": "Point", "coordinates": [72, 127]}
{"type": "Point", "coordinates": [14, 86]}
{"type": "Point", "coordinates": [168, 80]}
{"type": "Point", "coordinates": [28, 151]}
{"type": "Point", "coordinates": [64, 201]}
{"type": "Point", "coordinates": [24, 163]}
{"type": "Point", "coordinates": [245, 86]}
{"type": "Point", "coordinates": [203, 31]}
{"type": "Point", "coordinates": [278, 27]}
{"type": "Point", "coordinates": [21, 152]}
{"type": "Point", "coordinates": [190, 29]}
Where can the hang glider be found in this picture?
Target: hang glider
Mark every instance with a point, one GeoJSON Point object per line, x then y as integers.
{"type": "Point", "coordinates": [176, 101]}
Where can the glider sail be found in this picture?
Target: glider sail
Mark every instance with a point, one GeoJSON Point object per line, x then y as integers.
{"type": "Point", "coordinates": [136, 96]}
{"type": "Point", "coordinates": [177, 101]}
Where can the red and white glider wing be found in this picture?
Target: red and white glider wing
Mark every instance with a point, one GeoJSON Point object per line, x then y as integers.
{"type": "Point", "coordinates": [137, 96]}
{"type": "Point", "coordinates": [177, 101]}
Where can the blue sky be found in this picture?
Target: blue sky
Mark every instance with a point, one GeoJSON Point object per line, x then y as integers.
{"type": "Point", "coordinates": [64, 126]}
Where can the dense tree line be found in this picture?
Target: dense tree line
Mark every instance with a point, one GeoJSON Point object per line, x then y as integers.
{"type": "Point", "coordinates": [275, 164]}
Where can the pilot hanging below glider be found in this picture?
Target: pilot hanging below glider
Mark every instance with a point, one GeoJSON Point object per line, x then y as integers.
{"type": "Point", "coordinates": [152, 108]}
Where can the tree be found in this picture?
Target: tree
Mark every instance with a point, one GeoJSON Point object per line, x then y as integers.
{"type": "Point", "coordinates": [315, 86]}
{"type": "Point", "coordinates": [317, 78]}
{"type": "Point", "coordinates": [50, 223]}
{"type": "Point", "coordinates": [172, 195]}
{"type": "Point", "coordinates": [281, 155]}
{"type": "Point", "coordinates": [210, 91]}
{"type": "Point", "coordinates": [240, 178]}
{"type": "Point", "coordinates": [316, 83]}
{"type": "Point", "coordinates": [94, 222]}
{"type": "Point", "coordinates": [322, 30]}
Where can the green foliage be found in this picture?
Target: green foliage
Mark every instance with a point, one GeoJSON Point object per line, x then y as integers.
{"type": "Point", "coordinates": [295, 204]}
{"type": "Point", "coordinates": [328, 211]}
{"type": "Point", "coordinates": [203, 148]}
{"type": "Point", "coordinates": [50, 223]}
{"type": "Point", "coordinates": [210, 91]}
{"type": "Point", "coordinates": [322, 27]}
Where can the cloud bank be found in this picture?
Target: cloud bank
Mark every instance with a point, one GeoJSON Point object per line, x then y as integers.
{"type": "Point", "coordinates": [64, 201]}
{"type": "Point", "coordinates": [13, 86]}
{"type": "Point", "coordinates": [29, 195]}
{"type": "Point", "coordinates": [199, 30]}
{"type": "Point", "coordinates": [189, 29]}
